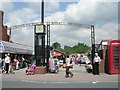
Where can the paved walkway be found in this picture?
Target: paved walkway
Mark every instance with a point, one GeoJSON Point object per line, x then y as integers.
{"type": "Point", "coordinates": [80, 75]}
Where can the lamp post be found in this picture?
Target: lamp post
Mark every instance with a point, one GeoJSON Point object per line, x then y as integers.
{"type": "Point", "coordinates": [40, 39]}
{"type": "Point", "coordinates": [43, 35]}
{"type": "Point", "coordinates": [42, 12]}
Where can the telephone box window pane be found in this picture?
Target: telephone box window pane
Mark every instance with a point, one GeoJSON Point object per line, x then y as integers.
{"type": "Point", "coordinates": [116, 58]}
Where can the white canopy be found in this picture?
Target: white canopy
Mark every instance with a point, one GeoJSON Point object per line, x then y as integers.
{"type": "Point", "coordinates": [7, 47]}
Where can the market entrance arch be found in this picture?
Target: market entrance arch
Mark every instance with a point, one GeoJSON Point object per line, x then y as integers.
{"type": "Point", "coordinates": [42, 29]}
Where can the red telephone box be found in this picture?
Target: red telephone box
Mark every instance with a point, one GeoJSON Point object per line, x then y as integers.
{"type": "Point", "coordinates": [114, 56]}
{"type": "Point", "coordinates": [109, 51]}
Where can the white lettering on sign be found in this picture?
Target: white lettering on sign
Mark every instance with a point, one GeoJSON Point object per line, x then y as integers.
{"type": "Point", "coordinates": [115, 43]}
{"type": "Point", "coordinates": [104, 43]}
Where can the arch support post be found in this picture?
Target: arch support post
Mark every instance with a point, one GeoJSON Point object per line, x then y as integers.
{"type": "Point", "coordinates": [92, 42]}
{"type": "Point", "coordinates": [48, 46]}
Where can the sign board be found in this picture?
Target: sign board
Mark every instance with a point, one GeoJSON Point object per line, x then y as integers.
{"type": "Point", "coordinates": [104, 43]}
{"type": "Point", "coordinates": [115, 43]}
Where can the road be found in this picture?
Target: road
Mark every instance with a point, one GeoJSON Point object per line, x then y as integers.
{"type": "Point", "coordinates": [53, 84]}
{"type": "Point", "coordinates": [81, 79]}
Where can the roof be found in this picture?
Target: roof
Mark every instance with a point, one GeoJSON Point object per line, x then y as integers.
{"type": "Point", "coordinates": [56, 52]}
{"type": "Point", "coordinates": [107, 43]}
{"type": "Point", "coordinates": [7, 47]}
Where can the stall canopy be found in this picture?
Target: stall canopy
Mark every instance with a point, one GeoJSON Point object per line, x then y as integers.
{"type": "Point", "coordinates": [56, 52]}
{"type": "Point", "coordinates": [7, 47]}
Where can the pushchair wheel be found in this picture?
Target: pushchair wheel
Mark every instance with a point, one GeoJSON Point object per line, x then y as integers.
{"type": "Point", "coordinates": [26, 73]}
{"type": "Point", "coordinates": [32, 73]}
{"type": "Point", "coordinates": [67, 76]}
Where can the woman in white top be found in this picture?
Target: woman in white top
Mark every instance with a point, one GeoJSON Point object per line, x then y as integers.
{"type": "Point", "coordinates": [68, 67]}
{"type": "Point", "coordinates": [96, 62]}
{"type": "Point", "coordinates": [7, 62]}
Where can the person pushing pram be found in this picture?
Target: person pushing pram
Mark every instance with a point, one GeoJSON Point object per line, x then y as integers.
{"type": "Point", "coordinates": [31, 68]}
{"type": "Point", "coordinates": [53, 64]}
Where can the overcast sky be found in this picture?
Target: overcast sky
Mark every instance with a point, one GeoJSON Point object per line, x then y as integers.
{"type": "Point", "coordinates": [103, 15]}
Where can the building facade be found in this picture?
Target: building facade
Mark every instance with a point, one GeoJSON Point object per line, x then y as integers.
{"type": "Point", "coordinates": [3, 29]}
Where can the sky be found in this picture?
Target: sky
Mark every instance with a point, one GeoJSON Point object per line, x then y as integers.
{"type": "Point", "coordinates": [100, 13]}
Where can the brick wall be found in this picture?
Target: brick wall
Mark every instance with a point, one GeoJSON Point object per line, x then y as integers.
{"type": "Point", "coordinates": [3, 29]}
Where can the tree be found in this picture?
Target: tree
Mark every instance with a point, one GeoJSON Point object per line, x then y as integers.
{"type": "Point", "coordinates": [79, 48]}
{"type": "Point", "coordinates": [68, 49]}
{"type": "Point", "coordinates": [57, 46]}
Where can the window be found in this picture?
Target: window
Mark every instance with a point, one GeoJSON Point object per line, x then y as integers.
{"type": "Point", "coordinates": [116, 57]}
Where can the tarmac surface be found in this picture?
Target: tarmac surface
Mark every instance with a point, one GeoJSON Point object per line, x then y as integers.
{"type": "Point", "coordinates": [81, 79]}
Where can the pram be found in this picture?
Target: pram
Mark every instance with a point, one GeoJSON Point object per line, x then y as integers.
{"type": "Point", "coordinates": [31, 68]}
{"type": "Point", "coordinates": [53, 65]}
{"type": "Point", "coordinates": [88, 66]}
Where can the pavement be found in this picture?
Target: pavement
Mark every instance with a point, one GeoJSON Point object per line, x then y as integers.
{"type": "Point", "coordinates": [80, 77]}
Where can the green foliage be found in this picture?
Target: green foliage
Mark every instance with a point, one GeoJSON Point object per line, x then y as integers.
{"type": "Point", "coordinates": [79, 48]}
{"type": "Point", "coordinates": [57, 46]}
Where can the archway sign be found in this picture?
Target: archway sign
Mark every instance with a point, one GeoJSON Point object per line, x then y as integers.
{"type": "Point", "coordinates": [47, 25]}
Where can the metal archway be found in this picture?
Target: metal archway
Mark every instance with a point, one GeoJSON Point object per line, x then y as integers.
{"type": "Point", "coordinates": [48, 24]}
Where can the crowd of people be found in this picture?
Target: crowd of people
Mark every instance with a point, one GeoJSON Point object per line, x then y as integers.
{"type": "Point", "coordinates": [77, 59]}
{"type": "Point", "coordinates": [69, 60]}
{"type": "Point", "coordinates": [9, 63]}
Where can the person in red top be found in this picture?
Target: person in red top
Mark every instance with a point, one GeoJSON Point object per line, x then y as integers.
{"type": "Point", "coordinates": [17, 62]}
